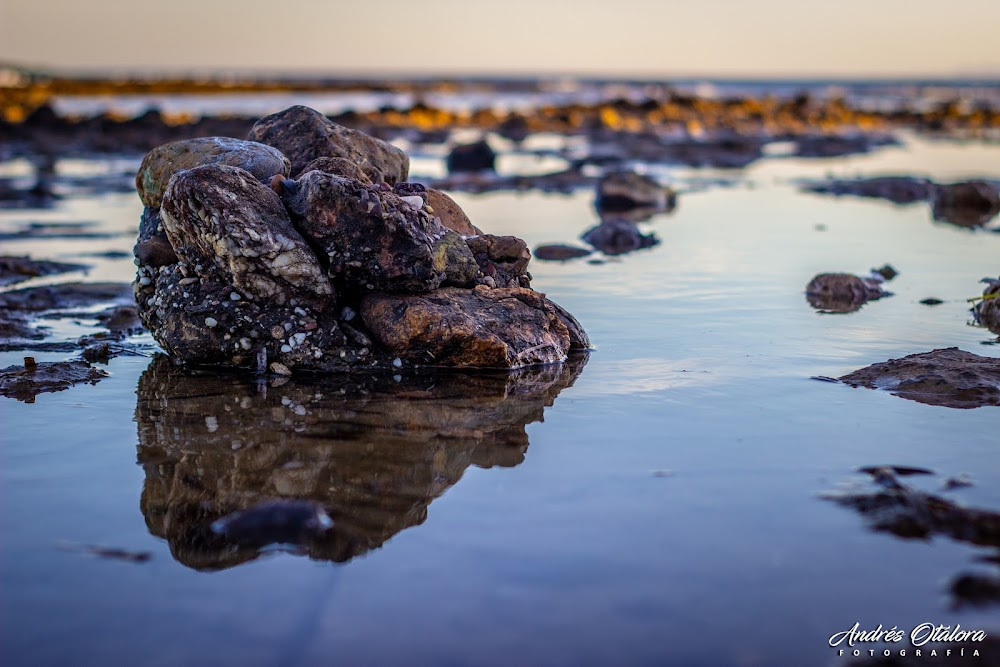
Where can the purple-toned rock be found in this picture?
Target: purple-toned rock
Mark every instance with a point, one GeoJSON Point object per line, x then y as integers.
{"type": "Point", "coordinates": [303, 134]}
{"type": "Point", "coordinates": [338, 166]}
{"type": "Point", "coordinates": [897, 189]}
{"type": "Point", "coordinates": [503, 260]}
{"type": "Point", "coordinates": [481, 327]}
{"type": "Point", "coordinates": [164, 161]}
{"type": "Point", "coordinates": [842, 292]}
{"type": "Point", "coordinates": [558, 252]}
{"type": "Point", "coordinates": [618, 236]}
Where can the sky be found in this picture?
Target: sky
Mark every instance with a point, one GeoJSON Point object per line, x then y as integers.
{"type": "Point", "coordinates": [751, 38]}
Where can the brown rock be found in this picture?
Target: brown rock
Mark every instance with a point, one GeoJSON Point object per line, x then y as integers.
{"type": "Point", "coordinates": [451, 214]}
{"type": "Point", "coordinates": [559, 252]}
{"type": "Point", "coordinates": [164, 161]}
{"type": "Point", "coordinates": [503, 259]}
{"type": "Point", "coordinates": [949, 377]}
{"type": "Point", "coordinates": [967, 204]}
{"type": "Point", "coordinates": [842, 292]}
{"type": "Point", "coordinates": [485, 328]}
{"type": "Point", "coordinates": [304, 134]}
{"type": "Point", "coordinates": [618, 236]}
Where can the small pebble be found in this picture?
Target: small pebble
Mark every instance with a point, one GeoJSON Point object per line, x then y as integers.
{"type": "Point", "coordinates": [211, 322]}
{"type": "Point", "coordinates": [234, 296]}
{"type": "Point", "coordinates": [397, 362]}
{"type": "Point", "coordinates": [279, 368]}
{"type": "Point", "coordinates": [277, 332]}
{"type": "Point", "coordinates": [286, 348]}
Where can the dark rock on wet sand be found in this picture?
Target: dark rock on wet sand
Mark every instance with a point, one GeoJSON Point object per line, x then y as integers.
{"type": "Point", "coordinates": [477, 156]}
{"type": "Point", "coordinates": [18, 269]}
{"type": "Point", "coordinates": [947, 377]}
{"type": "Point", "coordinates": [931, 301]}
{"type": "Point", "coordinates": [303, 134]}
{"type": "Point", "coordinates": [25, 382]}
{"type": "Point", "coordinates": [887, 271]}
{"type": "Point", "coordinates": [559, 253]}
{"type": "Point", "coordinates": [618, 236]}
{"type": "Point", "coordinates": [842, 292]}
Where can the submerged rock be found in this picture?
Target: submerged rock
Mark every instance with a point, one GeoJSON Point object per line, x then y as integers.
{"type": "Point", "coordinates": [162, 162]}
{"type": "Point", "coordinates": [25, 382]}
{"type": "Point", "coordinates": [842, 292]}
{"type": "Point", "coordinates": [626, 190]}
{"type": "Point", "coordinates": [303, 134]}
{"type": "Point", "coordinates": [558, 252]}
{"type": "Point", "coordinates": [835, 145]}
{"type": "Point", "coordinates": [966, 204]}
{"type": "Point", "coordinates": [947, 377]}
{"type": "Point", "coordinates": [618, 236]}
{"type": "Point", "coordinates": [477, 156]}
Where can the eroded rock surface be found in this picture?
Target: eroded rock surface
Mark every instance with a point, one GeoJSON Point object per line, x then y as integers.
{"type": "Point", "coordinates": [483, 327]}
{"type": "Point", "coordinates": [303, 134]}
{"type": "Point", "coordinates": [842, 292]}
{"type": "Point", "coordinates": [948, 377]}
{"type": "Point", "coordinates": [164, 161]}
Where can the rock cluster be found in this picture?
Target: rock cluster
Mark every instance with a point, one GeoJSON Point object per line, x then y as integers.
{"type": "Point", "coordinates": [346, 265]}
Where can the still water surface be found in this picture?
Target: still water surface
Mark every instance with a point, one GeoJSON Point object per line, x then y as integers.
{"type": "Point", "coordinates": [656, 503]}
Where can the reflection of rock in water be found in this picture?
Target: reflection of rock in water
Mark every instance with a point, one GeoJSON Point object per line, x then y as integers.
{"type": "Point", "coordinates": [908, 513]}
{"type": "Point", "coordinates": [372, 451]}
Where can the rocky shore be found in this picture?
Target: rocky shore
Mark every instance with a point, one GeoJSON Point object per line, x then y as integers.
{"type": "Point", "coordinates": [347, 265]}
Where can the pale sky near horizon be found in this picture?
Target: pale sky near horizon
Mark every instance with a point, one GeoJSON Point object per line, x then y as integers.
{"type": "Point", "coordinates": [862, 38]}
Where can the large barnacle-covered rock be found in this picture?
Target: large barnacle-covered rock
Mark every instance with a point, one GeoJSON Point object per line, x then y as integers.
{"type": "Point", "coordinates": [303, 134]}
{"type": "Point", "coordinates": [374, 238]}
{"type": "Point", "coordinates": [223, 219]}
{"type": "Point", "coordinates": [253, 269]}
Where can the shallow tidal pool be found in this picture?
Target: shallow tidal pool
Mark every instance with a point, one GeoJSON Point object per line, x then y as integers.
{"type": "Point", "coordinates": [658, 502]}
